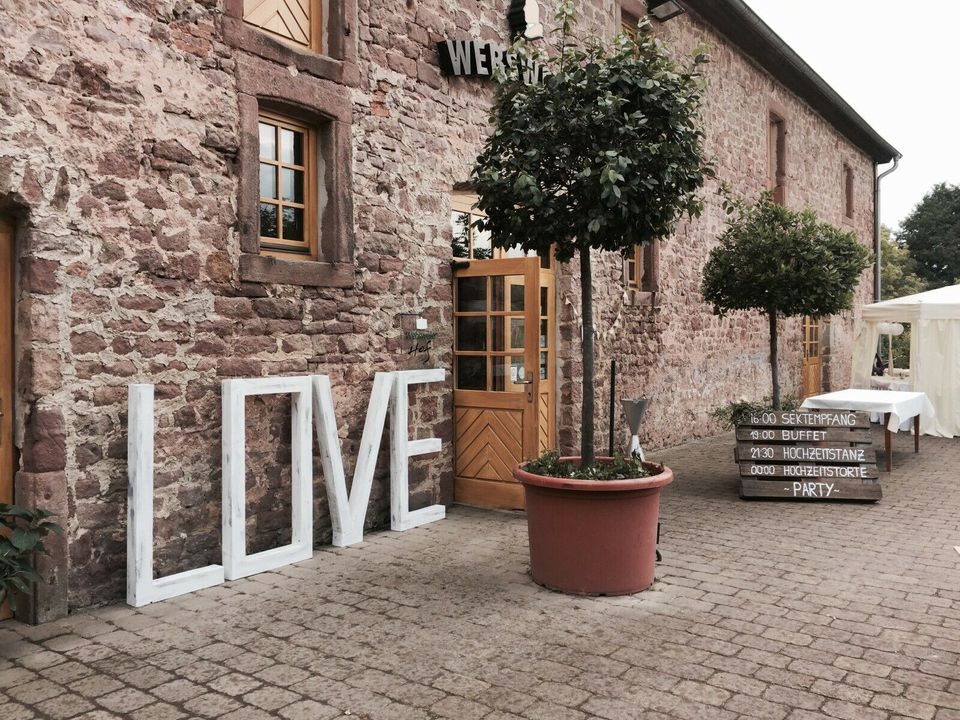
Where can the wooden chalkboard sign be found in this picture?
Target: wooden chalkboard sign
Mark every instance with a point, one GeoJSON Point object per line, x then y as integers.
{"type": "Point", "coordinates": [807, 455]}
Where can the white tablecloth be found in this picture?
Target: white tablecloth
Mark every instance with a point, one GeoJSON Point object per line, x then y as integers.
{"type": "Point", "coordinates": [885, 382]}
{"type": "Point", "coordinates": [901, 405]}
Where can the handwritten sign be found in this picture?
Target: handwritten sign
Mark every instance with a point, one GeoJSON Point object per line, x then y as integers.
{"type": "Point", "coordinates": [807, 455]}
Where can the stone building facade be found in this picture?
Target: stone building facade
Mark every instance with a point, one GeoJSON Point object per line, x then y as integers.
{"type": "Point", "coordinates": [129, 176]}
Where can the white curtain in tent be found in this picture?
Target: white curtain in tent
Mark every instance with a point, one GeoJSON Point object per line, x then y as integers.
{"type": "Point", "coordinates": [934, 317]}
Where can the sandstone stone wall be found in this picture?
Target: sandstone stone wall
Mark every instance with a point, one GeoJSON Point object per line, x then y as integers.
{"type": "Point", "coordinates": [119, 137]}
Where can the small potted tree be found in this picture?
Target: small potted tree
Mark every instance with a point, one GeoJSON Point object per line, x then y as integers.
{"type": "Point", "coordinates": [785, 264]}
{"type": "Point", "coordinates": [606, 153]}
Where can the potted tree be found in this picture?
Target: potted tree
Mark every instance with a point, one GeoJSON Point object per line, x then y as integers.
{"type": "Point", "coordinates": [785, 264]}
{"type": "Point", "coordinates": [606, 153]}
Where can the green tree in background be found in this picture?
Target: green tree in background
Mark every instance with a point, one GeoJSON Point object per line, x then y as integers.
{"type": "Point", "coordinates": [784, 264]}
{"type": "Point", "coordinates": [898, 271]}
{"type": "Point", "coordinates": [931, 233]}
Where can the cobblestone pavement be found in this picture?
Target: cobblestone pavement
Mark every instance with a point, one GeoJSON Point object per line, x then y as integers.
{"type": "Point", "coordinates": [767, 610]}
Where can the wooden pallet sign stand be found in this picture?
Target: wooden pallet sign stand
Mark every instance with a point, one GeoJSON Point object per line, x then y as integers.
{"type": "Point", "coordinates": [808, 455]}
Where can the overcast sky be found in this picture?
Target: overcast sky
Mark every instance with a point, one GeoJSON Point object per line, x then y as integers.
{"type": "Point", "coordinates": [895, 63]}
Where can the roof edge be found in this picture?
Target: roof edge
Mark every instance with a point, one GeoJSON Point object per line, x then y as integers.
{"type": "Point", "coordinates": [736, 21]}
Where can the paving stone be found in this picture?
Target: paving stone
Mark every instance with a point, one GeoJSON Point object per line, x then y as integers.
{"type": "Point", "coordinates": [35, 691]}
{"type": "Point", "coordinates": [210, 705]}
{"type": "Point", "coordinates": [67, 705]}
{"type": "Point", "coordinates": [271, 698]}
{"type": "Point", "coordinates": [308, 710]}
{"type": "Point", "coordinates": [125, 700]}
{"type": "Point", "coordinates": [177, 691]}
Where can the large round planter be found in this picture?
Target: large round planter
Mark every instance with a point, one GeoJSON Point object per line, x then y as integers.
{"type": "Point", "coordinates": [593, 537]}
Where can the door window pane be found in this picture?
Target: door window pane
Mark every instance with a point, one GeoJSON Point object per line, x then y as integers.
{"type": "Point", "coordinates": [460, 222]}
{"type": "Point", "coordinates": [544, 299]}
{"type": "Point", "coordinates": [507, 289]}
{"type": "Point", "coordinates": [471, 294]}
{"type": "Point", "coordinates": [471, 333]}
{"type": "Point", "coordinates": [471, 372]}
{"type": "Point", "coordinates": [508, 374]}
{"type": "Point", "coordinates": [543, 333]}
{"type": "Point", "coordinates": [482, 244]}
{"type": "Point", "coordinates": [498, 341]}
{"type": "Point", "coordinates": [516, 333]}
{"type": "Point", "coordinates": [544, 365]}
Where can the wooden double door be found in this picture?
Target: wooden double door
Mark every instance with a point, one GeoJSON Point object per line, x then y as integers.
{"type": "Point", "coordinates": [504, 385]}
{"type": "Point", "coordinates": [7, 455]}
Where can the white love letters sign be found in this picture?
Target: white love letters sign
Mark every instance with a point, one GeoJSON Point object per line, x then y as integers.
{"type": "Point", "coordinates": [311, 398]}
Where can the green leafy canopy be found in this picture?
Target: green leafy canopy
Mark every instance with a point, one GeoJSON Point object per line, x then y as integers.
{"type": "Point", "coordinates": [932, 234]}
{"type": "Point", "coordinates": [780, 261]}
{"type": "Point", "coordinates": [606, 153]}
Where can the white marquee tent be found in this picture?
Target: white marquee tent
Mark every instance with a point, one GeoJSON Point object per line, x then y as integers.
{"type": "Point", "coordinates": [934, 317]}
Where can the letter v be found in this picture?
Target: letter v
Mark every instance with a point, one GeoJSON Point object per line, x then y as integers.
{"type": "Point", "coordinates": [347, 513]}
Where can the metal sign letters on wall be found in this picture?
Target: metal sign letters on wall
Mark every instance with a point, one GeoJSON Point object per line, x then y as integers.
{"type": "Point", "coordinates": [472, 58]}
{"type": "Point", "coordinates": [310, 395]}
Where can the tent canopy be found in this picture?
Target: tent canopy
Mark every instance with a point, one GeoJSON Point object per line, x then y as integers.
{"type": "Point", "coordinates": [939, 304]}
{"type": "Point", "coordinates": [934, 351]}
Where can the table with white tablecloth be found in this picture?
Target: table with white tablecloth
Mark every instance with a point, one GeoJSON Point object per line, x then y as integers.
{"type": "Point", "coordinates": [895, 405]}
{"type": "Point", "coordinates": [886, 382]}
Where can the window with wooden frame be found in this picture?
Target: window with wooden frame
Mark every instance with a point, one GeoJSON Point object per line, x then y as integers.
{"type": "Point", "coordinates": [471, 243]}
{"type": "Point", "coordinates": [298, 22]}
{"type": "Point", "coordinates": [642, 268]}
{"type": "Point", "coordinates": [847, 192]}
{"type": "Point", "coordinates": [776, 157]}
{"type": "Point", "coordinates": [288, 182]}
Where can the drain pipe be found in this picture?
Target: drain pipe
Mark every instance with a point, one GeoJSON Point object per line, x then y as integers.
{"type": "Point", "coordinates": [876, 223]}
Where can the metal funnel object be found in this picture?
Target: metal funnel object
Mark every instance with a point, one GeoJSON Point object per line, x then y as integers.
{"type": "Point", "coordinates": [634, 411]}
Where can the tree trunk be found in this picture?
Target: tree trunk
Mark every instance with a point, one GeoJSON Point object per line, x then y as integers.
{"type": "Point", "coordinates": [586, 304]}
{"type": "Point", "coordinates": [774, 369]}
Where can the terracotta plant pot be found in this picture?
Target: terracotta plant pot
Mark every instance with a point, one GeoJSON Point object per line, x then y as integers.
{"type": "Point", "coordinates": [593, 537]}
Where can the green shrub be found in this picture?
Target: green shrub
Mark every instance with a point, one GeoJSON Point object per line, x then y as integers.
{"type": "Point", "coordinates": [21, 535]}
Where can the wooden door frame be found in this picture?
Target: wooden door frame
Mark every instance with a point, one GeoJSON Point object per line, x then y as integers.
{"type": "Point", "coordinates": [7, 364]}
{"type": "Point", "coordinates": [528, 268]}
{"type": "Point", "coordinates": [805, 324]}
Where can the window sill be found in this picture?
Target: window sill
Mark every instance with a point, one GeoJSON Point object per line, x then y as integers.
{"type": "Point", "coordinates": [283, 271]}
{"type": "Point", "coordinates": [641, 298]}
{"type": "Point", "coordinates": [240, 35]}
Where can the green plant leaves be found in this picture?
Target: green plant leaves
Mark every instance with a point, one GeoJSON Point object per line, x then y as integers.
{"type": "Point", "coordinates": [27, 530]}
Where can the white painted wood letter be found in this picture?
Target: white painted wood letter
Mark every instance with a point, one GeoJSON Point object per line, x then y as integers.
{"type": "Point", "coordinates": [402, 449]}
{"type": "Point", "coordinates": [236, 562]}
{"type": "Point", "coordinates": [347, 513]}
{"type": "Point", "coordinates": [142, 589]}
